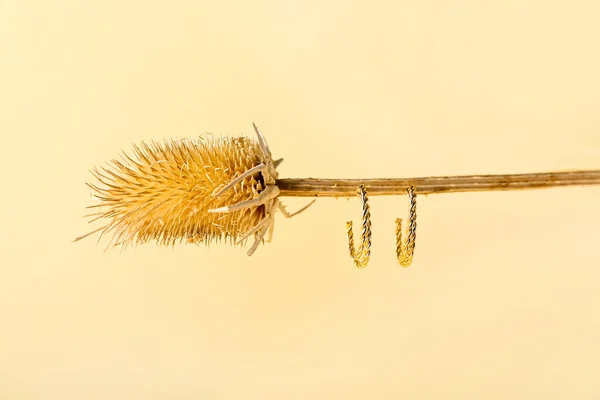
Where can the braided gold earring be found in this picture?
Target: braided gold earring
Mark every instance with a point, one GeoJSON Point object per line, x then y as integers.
{"type": "Point", "coordinates": [405, 249]}
{"type": "Point", "coordinates": [362, 254]}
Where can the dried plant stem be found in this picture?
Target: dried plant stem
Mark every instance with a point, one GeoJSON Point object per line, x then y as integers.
{"type": "Point", "coordinates": [312, 187]}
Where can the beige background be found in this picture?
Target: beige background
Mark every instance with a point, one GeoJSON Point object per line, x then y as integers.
{"type": "Point", "coordinates": [503, 298]}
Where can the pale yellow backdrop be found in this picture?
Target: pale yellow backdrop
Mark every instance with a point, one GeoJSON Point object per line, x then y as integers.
{"type": "Point", "coordinates": [503, 298]}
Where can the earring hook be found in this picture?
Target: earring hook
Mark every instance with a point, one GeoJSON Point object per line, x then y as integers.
{"type": "Point", "coordinates": [405, 249]}
{"type": "Point", "coordinates": [362, 254]}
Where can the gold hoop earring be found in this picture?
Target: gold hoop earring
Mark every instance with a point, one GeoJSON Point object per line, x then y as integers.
{"type": "Point", "coordinates": [362, 254]}
{"type": "Point", "coordinates": [405, 249]}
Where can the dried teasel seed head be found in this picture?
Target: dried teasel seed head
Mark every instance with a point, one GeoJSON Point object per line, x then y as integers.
{"type": "Point", "coordinates": [164, 191]}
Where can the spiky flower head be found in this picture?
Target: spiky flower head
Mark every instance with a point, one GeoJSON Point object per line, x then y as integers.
{"type": "Point", "coordinates": [164, 191]}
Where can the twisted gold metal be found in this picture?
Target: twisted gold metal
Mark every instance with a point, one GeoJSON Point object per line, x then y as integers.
{"type": "Point", "coordinates": [362, 255]}
{"type": "Point", "coordinates": [405, 249]}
